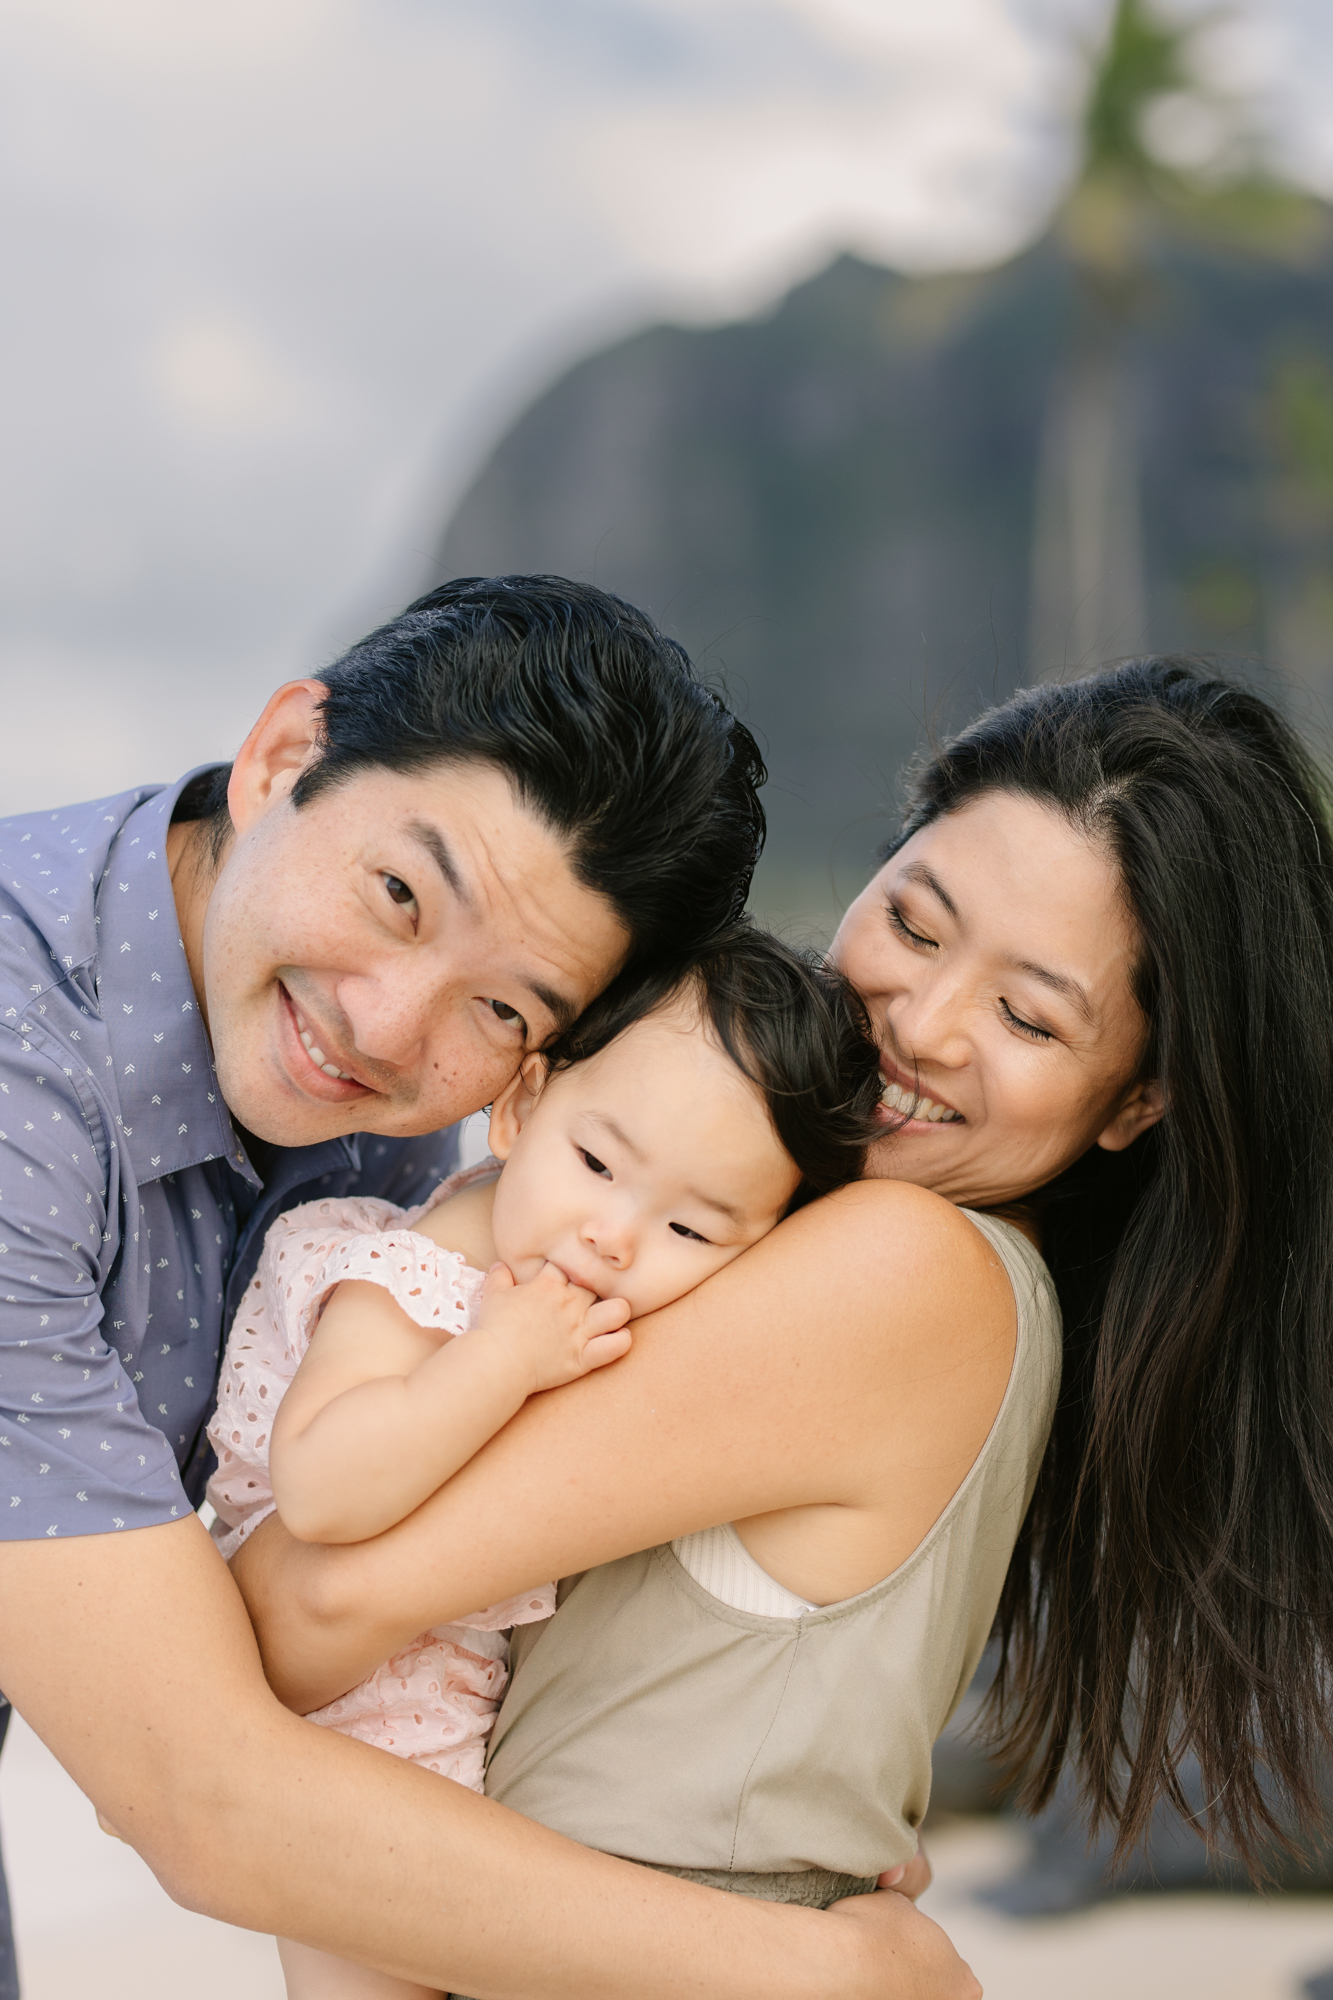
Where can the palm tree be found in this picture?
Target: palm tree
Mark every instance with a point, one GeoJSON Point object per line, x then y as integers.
{"type": "Point", "coordinates": [1162, 161]}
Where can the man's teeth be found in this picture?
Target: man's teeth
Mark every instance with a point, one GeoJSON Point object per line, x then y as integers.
{"type": "Point", "coordinates": [317, 1055]}
{"type": "Point", "coordinates": [920, 1106]}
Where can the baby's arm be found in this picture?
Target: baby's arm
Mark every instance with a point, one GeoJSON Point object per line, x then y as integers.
{"type": "Point", "coordinates": [381, 1412]}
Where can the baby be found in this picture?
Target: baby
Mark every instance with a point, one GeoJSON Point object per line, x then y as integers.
{"type": "Point", "coordinates": [376, 1351]}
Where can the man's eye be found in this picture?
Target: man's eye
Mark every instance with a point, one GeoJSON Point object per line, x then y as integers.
{"type": "Point", "coordinates": [693, 1234]}
{"type": "Point", "coordinates": [509, 1015]}
{"type": "Point", "coordinates": [398, 890]}
{"type": "Point", "coordinates": [592, 1163]}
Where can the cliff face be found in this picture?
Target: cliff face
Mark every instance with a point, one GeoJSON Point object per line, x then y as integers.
{"type": "Point", "coordinates": [895, 499]}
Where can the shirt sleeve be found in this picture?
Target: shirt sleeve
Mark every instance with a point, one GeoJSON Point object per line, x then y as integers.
{"type": "Point", "coordinates": [77, 1456]}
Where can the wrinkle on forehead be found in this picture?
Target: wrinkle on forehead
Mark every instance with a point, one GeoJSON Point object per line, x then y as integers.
{"type": "Point", "coordinates": [538, 886]}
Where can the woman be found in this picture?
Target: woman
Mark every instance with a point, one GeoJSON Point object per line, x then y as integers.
{"type": "Point", "coordinates": [1099, 960]}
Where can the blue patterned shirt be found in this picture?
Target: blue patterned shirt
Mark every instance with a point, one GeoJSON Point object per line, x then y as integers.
{"type": "Point", "coordinates": [131, 1218]}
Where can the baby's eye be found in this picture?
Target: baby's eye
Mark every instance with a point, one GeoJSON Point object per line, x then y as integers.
{"type": "Point", "coordinates": [693, 1234]}
{"type": "Point", "coordinates": [592, 1163]}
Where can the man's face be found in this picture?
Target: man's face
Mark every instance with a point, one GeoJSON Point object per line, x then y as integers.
{"type": "Point", "coordinates": [381, 959]}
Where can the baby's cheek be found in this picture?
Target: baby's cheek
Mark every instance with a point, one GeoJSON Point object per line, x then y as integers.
{"type": "Point", "coordinates": [675, 1279]}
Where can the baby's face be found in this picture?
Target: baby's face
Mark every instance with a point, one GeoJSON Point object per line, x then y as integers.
{"type": "Point", "coordinates": [641, 1171]}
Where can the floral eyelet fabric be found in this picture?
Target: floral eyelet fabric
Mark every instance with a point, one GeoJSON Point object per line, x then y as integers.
{"type": "Point", "coordinates": [433, 1703]}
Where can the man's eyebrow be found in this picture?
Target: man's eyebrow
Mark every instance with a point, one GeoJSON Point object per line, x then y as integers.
{"type": "Point", "coordinates": [437, 847]}
{"type": "Point", "coordinates": [562, 1010]}
{"type": "Point", "coordinates": [559, 1006]}
{"type": "Point", "coordinates": [1059, 982]}
{"type": "Point", "coordinates": [917, 871]}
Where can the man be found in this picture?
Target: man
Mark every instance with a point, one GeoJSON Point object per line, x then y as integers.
{"type": "Point", "coordinates": [226, 997]}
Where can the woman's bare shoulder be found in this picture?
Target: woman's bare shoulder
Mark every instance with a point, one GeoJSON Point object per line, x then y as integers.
{"type": "Point", "coordinates": [899, 1269]}
{"type": "Point", "coordinates": [890, 1228]}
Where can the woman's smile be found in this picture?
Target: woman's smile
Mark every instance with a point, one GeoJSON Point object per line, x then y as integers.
{"type": "Point", "coordinates": [909, 1108]}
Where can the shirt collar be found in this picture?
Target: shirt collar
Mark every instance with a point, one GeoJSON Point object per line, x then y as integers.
{"type": "Point", "coordinates": [171, 1111]}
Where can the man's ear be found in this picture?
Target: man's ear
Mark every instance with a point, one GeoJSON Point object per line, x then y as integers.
{"type": "Point", "coordinates": [509, 1113]}
{"type": "Point", "coordinates": [1143, 1107]}
{"type": "Point", "coordinates": [283, 742]}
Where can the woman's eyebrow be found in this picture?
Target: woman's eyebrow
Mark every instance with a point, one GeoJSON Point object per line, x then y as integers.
{"type": "Point", "coordinates": [1059, 982]}
{"type": "Point", "coordinates": [917, 871]}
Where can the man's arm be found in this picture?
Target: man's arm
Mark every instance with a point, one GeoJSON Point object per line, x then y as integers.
{"type": "Point", "coordinates": [131, 1656]}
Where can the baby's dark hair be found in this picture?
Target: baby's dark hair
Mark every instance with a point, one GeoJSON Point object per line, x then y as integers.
{"type": "Point", "coordinates": [792, 1025]}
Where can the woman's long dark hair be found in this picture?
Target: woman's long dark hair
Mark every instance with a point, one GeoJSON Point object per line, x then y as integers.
{"type": "Point", "coordinates": [1173, 1587]}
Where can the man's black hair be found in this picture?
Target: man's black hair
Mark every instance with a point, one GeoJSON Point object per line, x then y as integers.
{"type": "Point", "coordinates": [599, 722]}
{"type": "Point", "coordinates": [791, 1024]}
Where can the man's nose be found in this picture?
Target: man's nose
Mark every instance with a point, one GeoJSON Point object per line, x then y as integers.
{"type": "Point", "coordinates": [389, 1015]}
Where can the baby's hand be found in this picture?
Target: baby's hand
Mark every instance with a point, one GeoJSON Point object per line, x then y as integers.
{"type": "Point", "coordinates": [554, 1329]}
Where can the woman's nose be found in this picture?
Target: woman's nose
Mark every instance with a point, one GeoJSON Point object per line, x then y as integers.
{"type": "Point", "coordinates": [927, 1021]}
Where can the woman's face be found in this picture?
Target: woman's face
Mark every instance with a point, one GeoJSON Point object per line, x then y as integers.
{"type": "Point", "coordinates": [995, 954]}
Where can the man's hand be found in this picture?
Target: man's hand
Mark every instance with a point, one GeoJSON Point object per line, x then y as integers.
{"type": "Point", "coordinates": [924, 1965]}
{"type": "Point", "coordinates": [910, 1878]}
{"type": "Point", "coordinates": [553, 1330]}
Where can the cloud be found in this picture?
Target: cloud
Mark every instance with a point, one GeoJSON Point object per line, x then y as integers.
{"type": "Point", "coordinates": [279, 271]}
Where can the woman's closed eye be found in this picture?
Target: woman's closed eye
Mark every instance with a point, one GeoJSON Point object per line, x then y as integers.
{"type": "Point", "coordinates": [898, 922]}
{"type": "Point", "coordinates": [1028, 1028]}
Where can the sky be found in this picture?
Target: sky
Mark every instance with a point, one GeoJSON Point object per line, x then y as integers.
{"type": "Point", "coordinates": [278, 273]}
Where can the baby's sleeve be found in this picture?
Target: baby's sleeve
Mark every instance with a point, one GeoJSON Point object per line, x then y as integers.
{"type": "Point", "coordinates": [436, 1288]}
{"type": "Point", "coordinates": [306, 1254]}
{"type": "Point", "coordinates": [527, 1608]}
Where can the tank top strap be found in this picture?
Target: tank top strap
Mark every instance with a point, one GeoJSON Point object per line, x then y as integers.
{"type": "Point", "coordinates": [1033, 1288]}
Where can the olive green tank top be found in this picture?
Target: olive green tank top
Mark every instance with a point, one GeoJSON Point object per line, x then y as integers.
{"type": "Point", "coordinates": [652, 1720]}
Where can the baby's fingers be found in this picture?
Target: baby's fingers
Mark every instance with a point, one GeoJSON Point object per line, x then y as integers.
{"type": "Point", "coordinates": [606, 1347]}
{"type": "Point", "coordinates": [607, 1316]}
{"type": "Point", "coordinates": [498, 1279]}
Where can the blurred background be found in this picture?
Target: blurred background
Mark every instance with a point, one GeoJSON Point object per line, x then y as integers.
{"type": "Point", "coordinates": [890, 355]}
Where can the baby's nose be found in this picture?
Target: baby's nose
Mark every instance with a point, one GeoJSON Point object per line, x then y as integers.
{"type": "Point", "coordinates": [611, 1235]}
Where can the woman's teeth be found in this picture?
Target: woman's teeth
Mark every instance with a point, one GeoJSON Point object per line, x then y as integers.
{"type": "Point", "coordinates": [920, 1106]}
{"type": "Point", "coordinates": [317, 1055]}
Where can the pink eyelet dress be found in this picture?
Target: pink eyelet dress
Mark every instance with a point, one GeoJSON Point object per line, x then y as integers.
{"type": "Point", "coordinates": [435, 1702]}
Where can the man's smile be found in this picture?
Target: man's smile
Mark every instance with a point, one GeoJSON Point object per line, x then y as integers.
{"type": "Point", "coordinates": [311, 1067]}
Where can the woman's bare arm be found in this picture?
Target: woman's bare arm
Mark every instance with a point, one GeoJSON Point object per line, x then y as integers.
{"type": "Point", "coordinates": [380, 1412]}
{"type": "Point", "coordinates": [853, 1360]}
